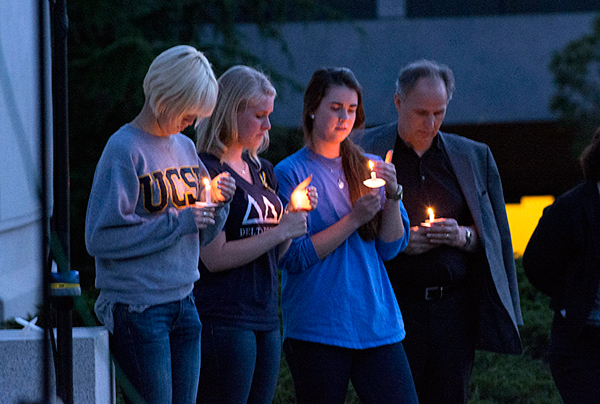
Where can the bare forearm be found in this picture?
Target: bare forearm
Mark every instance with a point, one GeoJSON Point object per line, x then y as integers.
{"type": "Point", "coordinates": [326, 241]}
{"type": "Point", "coordinates": [228, 255]}
{"type": "Point", "coordinates": [391, 222]}
{"type": "Point", "coordinates": [283, 247]}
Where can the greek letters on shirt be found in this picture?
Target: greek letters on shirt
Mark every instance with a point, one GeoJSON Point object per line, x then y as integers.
{"type": "Point", "coordinates": [176, 185]}
{"type": "Point", "coordinates": [256, 217]}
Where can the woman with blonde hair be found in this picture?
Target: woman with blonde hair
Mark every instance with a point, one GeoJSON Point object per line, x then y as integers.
{"type": "Point", "coordinates": [143, 228]}
{"type": "Point", "coordinates": [237, 294]}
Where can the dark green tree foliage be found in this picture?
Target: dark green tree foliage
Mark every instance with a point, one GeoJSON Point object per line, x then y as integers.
{"type": "Point", "coordinates": [576, 70]}
{"type": "Point", "coordinates": [111, 43]}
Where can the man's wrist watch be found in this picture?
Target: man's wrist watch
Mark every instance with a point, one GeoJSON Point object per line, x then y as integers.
{"type": "Point", "coordinates": [397, 195]}
{"type": "Point", "coordinates": [468, 236]}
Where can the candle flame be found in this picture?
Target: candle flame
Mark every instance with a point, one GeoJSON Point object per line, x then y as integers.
{"type": "Point", "coordinates": [299, 197]}
{"type": "Point", "coordinates": [206, 182]}
{"type": "Point", "coordinates": [371, 165]}
{"type": "Point", "coordinates": [431, 215]}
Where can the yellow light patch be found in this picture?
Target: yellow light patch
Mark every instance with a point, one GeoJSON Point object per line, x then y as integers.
{"type": "Point", "coordinates": [523, 218]}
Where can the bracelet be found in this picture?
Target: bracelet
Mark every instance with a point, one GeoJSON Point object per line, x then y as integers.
{"type": "Point", "coordinates": [398, 195]}
{"type": "Point", "coordinates": [469, 237]}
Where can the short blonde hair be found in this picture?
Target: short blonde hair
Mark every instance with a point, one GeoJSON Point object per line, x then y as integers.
{"type": "Point", "coordinates": [239, 87]}
{"type": "Point", "coordinates": [180, 80]}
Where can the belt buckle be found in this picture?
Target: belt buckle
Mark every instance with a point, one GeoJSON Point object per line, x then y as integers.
{"type": "Point", "coordinates": [434, 293]}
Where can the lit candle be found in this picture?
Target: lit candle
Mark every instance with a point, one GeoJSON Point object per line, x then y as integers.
{"type": "Point", "coordinates": [373, 182]}
{"type": "Point", "coordinates": [297, 200]}
{"type": "Point", "coordinates": [207, 190]}
{"type": "Point", "coordinates": [299, 196]}
{"type": "Point", "coordinates": [373, 174]}
{"type": "Point", "coordinates": [431, 215]}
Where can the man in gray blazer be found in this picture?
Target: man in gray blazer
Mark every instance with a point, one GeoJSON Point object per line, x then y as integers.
{"type": "Point", "coordinates": [456, 282]}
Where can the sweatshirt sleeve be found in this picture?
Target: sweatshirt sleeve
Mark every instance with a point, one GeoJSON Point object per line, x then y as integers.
{"type": "Point", "coordinates": [113, 228]}
{"type": "Point", "coordinates": [301, 254]}
{"type": "Point", "coordinates": [207, 235]}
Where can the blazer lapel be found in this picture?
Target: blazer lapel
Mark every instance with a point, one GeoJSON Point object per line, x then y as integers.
{"type": "Point", "coordinates": [386, 139]}
{"type": "Point", "coordinates": [463, 170]}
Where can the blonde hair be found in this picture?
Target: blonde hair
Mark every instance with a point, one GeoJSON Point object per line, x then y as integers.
{"type": "Point", "coordinates": [179, 81]}
{"type": "Point", "coordinates": [239, 87]}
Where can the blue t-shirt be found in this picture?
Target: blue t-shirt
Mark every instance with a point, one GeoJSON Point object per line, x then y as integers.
{"type": "Point", "coordinates": [246, 296]}
{"type": "Point", "coordinates": [346, 299]}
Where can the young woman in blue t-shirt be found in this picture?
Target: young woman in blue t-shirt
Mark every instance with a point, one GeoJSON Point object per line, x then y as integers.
{"type": "Point", "coordinates": [341, 321]}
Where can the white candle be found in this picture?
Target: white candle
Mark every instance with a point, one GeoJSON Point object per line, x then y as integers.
{"type": "Point", "coordinates": [374, 182]}
{"type": "Point", "coordinates": [371, 165]}
{"type": "Point", "coordinates": [207, 190]}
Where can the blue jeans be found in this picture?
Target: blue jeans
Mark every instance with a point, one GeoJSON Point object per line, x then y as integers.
{"type": "Point", "coordinates": [158, 350]}
{"type": "Point", "coordinates": [238, 365]}
{"type": "Point", "coordinates": [321, 373]}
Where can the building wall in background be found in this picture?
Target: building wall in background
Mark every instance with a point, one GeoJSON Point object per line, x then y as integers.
{"type": "Point", "coordinates": [500, 62]}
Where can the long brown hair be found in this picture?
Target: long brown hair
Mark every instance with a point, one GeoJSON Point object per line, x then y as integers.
{"type": "Point", "coordinates": [354, 163]}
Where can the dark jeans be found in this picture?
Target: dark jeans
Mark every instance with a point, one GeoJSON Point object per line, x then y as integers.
{"type": "Point", "coordinates": [321, 373]}
{"type": "Point", "coordinates": [238, 365]}
{"type": "Point", "coordinates": [158, 349]}
{"type": "Point", "coordinates": [440, 345]}
{"type": "Point", "coordinates": [575, 362]}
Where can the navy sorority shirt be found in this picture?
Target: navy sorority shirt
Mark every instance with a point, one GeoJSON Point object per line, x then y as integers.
{"type": "Point", "coordinates": [246, 296]}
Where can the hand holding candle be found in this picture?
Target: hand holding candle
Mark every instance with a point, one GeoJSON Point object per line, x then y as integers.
{"type": "Point", "coordinates": [373, 182]}
{"type": "Point", "coordinates": [207, 196]}
{"type": "Point", "coordinates": [300, 198]}
{"type": "Point", "coordinates": [222, 187]}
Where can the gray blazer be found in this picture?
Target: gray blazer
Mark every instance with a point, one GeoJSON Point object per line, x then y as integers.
{"type": "Point", "coordinates": [477, 174]}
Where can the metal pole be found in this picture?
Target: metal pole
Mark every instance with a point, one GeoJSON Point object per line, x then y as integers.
{"type": "Point", "coordinates": [62, 290]}
{"type": "Point", "coordinates": [45, 228]}
{"type": "Point", "coordinates": [60, 115]}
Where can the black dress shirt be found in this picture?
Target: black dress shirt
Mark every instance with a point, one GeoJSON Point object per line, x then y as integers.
{"type": "Point", "coordinates": [429, 181]}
